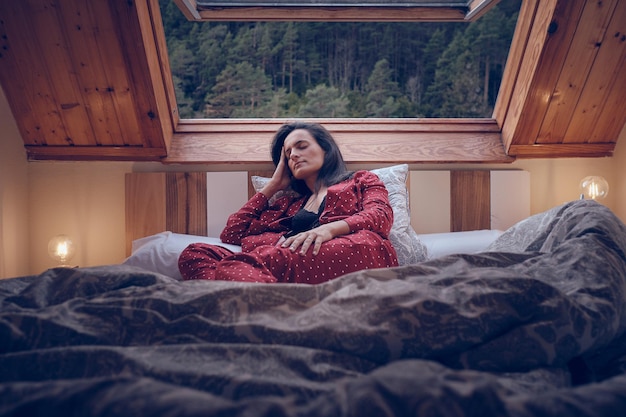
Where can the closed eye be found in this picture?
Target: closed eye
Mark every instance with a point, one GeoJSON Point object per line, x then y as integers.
{"type": "Point", "coordinates": [300, 145]}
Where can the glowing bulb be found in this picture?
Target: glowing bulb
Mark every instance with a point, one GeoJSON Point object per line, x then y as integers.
{"type": "Point", "coordinates": [594, 187]}
{"type": "Point", "coordinates": [61, 249]}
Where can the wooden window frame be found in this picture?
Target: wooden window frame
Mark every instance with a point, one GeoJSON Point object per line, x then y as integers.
{"type": "Point", "coordinates": [414, 140]}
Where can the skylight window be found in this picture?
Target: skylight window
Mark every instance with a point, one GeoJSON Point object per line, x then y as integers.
{"type": "Point", "coordinates": [268, 69]}
{"type": "Point", "coordinates": [202, 4]}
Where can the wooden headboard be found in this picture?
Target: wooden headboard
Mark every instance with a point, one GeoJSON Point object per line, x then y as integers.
{"type": "Point", "coordinates": [198, 203]}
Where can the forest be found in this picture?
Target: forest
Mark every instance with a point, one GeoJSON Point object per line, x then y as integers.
{"type": "Point", "coordinates": [337, 70]}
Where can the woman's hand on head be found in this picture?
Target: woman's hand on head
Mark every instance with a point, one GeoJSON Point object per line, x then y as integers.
{"type": "Point", "coordinates": [313, 239]}
{"type": "Point", "coordinates": [280, 179]}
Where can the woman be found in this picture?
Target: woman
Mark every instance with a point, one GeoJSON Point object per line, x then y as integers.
{"type": "Point", "coordinates": [338, 223]}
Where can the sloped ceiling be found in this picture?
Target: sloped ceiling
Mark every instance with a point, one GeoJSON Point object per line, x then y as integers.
{"type": "Point", "coordinates": [90, 81]}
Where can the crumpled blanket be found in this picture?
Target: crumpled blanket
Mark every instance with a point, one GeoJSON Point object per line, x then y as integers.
{"type": "Point", "coordinates": [534, 326]}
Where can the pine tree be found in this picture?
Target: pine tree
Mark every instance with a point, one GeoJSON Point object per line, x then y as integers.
{"type": "Point", "coordinates": [456, 91]}
{"type": "Point", "coordinates": [277, 106]}
{"type": "Point", "coordinates": [324, 101]}
{"type": "Point", "coordinates": [382, 91]}
{"type": "Point", "coordinates": [240, 91]}
{"type": "Point", "coordinates": [289, 55]}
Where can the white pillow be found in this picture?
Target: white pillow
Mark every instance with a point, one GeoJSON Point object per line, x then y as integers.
{"type": "Point", "coordinates": [159, 253]}
{"type": "Point", "coordinates": [402, 236]}
{"type": "Point", "coordinates": [473, 241]}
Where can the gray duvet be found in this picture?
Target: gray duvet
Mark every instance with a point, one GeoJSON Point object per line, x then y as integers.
{"type": "Point", "coordinates": [535, 326]}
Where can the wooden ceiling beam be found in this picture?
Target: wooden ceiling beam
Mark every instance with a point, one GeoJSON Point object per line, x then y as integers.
{"type": "Point", "coordinates": [562, 150]}
{"type": "Point", "coordinates": [405, 142]}
{"type": "Point", "coordinates": [94, 153]}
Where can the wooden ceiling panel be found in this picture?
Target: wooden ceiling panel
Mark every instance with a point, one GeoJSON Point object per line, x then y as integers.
{"type": "Point", "coordinates": [32, 91]}
{"type": "Point", "coordinates": [70, 82]}
{"type": "Point", "coordinates": [515, 60]}
{"type": "Point", "coordinates": [118, 77]}
{"type": "Point", "coordinates": [568, 98]}
{"type": "Point", "coordinates": [83, 31]}
{"type": "Point", "coordinates": [549, 43]}
{"type": "Point", "coordinates": [138, 36]}
{"type": "Point", "coordinates": [586, 40]}
{"type": "Point", "coordinates": [612, 118]}
{"type": "Point", "coordinates": [55, 54]}
{"type": "Point", "coordinates": [601, 111]}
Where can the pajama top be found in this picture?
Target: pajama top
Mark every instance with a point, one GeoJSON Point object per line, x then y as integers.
{"type": "Point", "coordinates": [361, 201]}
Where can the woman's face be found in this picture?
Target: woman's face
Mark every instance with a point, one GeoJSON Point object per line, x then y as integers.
{"type": "Point", "coordinates": [304, 155]}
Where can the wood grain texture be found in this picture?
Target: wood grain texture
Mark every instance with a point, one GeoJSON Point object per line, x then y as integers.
{"type": "Point", "coordinates": [189, 9]}
{"type": "Point", "coordinates": [59, 60]}
{"type": "Point", "coordinates": [94, 153]}
{"type": "Point", "coordinates": [122, 80]}
{"type": "Point", "coordinates": [601, 91]}
{"type": "Point", "coordinates": [81, 76]}
{"type": "Point", "coordinates": [562, 150]}
{"type": "Point", "coordinates": [477, 8]}
{"type": "Point", "coordinates": [546, 50]}
{"type": "Point", "coordinates": [165, 201]}
{"type": "Point", "coordinates": [470, 200]}
{"type": "Point", "coordinates": [30, 90]}
{"type": "Point", "coordinates": [176, 202]}
{"type": "Point", "coordinates": [197, 201]}
{"type": "Point", "coordinates": [146, 210]}
{"type": "Point", "coordinates": [515, 59]}
{"type": "Point", "coordinates": [140, 63]}
{"type": "Point", "coordinates": [570, 73]}
{"type": "Point", "coordinates": [166, 98]}
{"type": "Point", "coordinates": [186, 202]}
{"type": "Point", "coordinates": [99, 86]}
{"type": "Point", "coordinates": [378, 141]}
{"type": "Point", "coordinates": [587, 38]}
{"type": "Point", "coordinates": [338, 14]}
{"type": "Point", "coordinates": [612, 119]}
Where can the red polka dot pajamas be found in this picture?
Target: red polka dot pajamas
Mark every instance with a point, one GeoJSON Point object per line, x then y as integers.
{"type": "Point", "coordinates": [361, 201]}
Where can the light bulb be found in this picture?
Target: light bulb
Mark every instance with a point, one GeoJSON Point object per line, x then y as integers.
{"type": "Point", "coordinates": [594, 187]}
{"type": "Point", "coordinates": [61, 249]}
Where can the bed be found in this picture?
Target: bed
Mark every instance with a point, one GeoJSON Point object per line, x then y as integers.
{"type": "Point", "coordinates": [532, 324]}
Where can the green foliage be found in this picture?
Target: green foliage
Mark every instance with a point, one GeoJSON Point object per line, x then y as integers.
{"type": "Point", "coordinates": [241, 90]}
{"type": "Point", "coordinates": [289, 69]}
{"type": "Point", "coordinates": [323, 101]}
{"type": "Point", "coordinates": [382, 91]}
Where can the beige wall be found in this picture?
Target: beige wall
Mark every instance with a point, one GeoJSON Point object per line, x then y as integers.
{"type": "Point", "coordinates": [555, 181]}
{"type": "Point", "coordinates": [618, 190]}
{"type": "Point", "coordinates": [86, 199]}
{"type": "Point", "coordinates": [14, 227]}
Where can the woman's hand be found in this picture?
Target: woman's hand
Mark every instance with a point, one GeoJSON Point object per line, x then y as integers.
{"type": "Point", "coordinates": [280, 179]}
{"type": "Point", "coordinates": [315, 237]}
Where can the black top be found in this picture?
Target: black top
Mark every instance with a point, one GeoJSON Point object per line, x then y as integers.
{"type": "Point", "coordinates": [305, 220]}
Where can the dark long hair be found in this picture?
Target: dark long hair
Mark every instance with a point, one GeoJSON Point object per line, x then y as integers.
{"type": "Point", "coordinates": [333, 169]}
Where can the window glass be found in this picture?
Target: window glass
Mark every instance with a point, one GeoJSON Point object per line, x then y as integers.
{"type": "Point", "coordinates": [338, 69]}
{"type": "Point", "coordinates": [331, 3]}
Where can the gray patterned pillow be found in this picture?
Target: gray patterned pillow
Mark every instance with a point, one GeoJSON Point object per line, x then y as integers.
{"type": "Point", "coordinates": [404, 239]}
{"type": "Point", "coordinates": [259, 182]}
